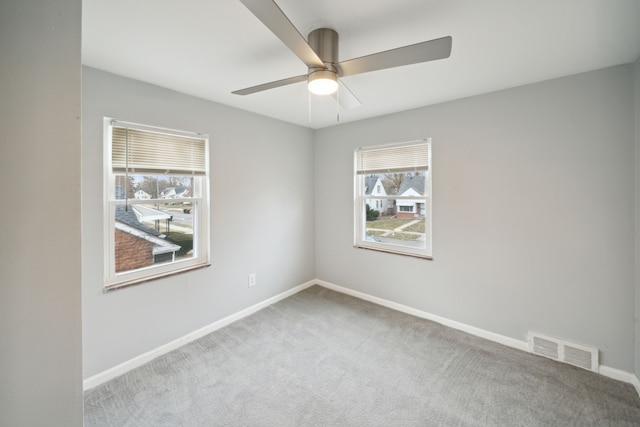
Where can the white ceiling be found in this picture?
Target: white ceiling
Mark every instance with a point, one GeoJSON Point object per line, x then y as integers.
{"type": "Point", "coordinates": [209, 48]}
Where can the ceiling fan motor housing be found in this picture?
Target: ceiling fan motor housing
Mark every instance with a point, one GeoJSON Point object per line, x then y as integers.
{"type": "Point", "coordinates": [324, 80]}
{"type": "Point", "coordinates": [324, 42]}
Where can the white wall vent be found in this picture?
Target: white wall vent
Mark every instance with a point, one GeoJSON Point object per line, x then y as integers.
{"type": "Point", "coordinates": [564, 351]}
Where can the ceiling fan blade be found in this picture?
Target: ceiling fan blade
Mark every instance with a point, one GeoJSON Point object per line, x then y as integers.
{"type": "Point", "coordinates": [412, 54]}
{"type": "Point", "coordinates": [345, 97]}
{"type": "Point", "coordinates": [271, 85]}
{"type": "Point", "coordinates": [273, 18]}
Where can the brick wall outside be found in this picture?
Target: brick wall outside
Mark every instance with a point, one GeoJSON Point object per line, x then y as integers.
{"type": "Point", "coordinates": [405, 215]}
{"type": "Point", "coordinates": [132, 252]}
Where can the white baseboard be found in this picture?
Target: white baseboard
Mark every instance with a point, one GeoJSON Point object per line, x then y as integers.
{"type": "Point", "coordinates": [606, 371]}
{"type": "Point", "coordinates": [140, 360]}
{"type": "Point", "coordinates": [619, 375]}
{"type": "Point", "coordinates": [500, 339]}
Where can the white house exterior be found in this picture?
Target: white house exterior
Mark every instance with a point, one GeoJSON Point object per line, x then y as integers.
{"type": "Point", "coordinates": [174, 193]}
{"type": "Point", "coordinates": [411, 186]}
{"type": "Point", "coordinates": [374, 187]}
{"type": "Point", "coordinates": [141, 195]}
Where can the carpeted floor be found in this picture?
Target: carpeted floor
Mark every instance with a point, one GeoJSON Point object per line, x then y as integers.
{"type": "Point", "coordinates": [321, 358]}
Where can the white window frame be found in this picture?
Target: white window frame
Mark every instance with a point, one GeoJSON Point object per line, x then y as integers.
{"type": "Point", "coordinates": [200, 198]}
{"type": "Point", "coordinates": [360, 198]}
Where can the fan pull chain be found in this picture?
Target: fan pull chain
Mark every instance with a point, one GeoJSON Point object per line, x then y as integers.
{"type": "Point", "coordinates": [309, 108]}
{"type": "Point", "coordinates": [338, 104]}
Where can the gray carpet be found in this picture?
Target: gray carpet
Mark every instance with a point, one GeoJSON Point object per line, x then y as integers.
{"type": "Point", "coordinates": [321, 358]}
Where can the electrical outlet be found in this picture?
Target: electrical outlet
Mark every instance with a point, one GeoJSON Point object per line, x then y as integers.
{"type": "Point", "coordinates": [252, 279]}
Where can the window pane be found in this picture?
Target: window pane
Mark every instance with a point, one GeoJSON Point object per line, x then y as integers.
{"type": "Point", "coordinates": [392, 184]}
{"type": "Point", "coordinates": [143, 187]}
{"type": "Point", "coordinates": [153, 233]}
{"type": "Point", "coordinates": [404, 228]}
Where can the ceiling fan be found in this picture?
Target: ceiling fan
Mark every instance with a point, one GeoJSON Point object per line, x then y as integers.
{"type": "Point", "coordinates": [320, 55]}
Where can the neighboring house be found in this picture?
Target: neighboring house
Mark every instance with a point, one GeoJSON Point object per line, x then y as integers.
{"type": "Point", "coordinates": [138, 194]}
{"type": "Point", "coordinates": [373, 187]}
{"type": "Point", "coordinates": [174, 193]}
{"type": "Point", "coordinates": [141, 195]}
{"type": "Point", "coordinates": [146, 214]}
{"type": "Point", "coordinates": [137, 245]}
{"type": "Point", "coordinates": [411, 186]}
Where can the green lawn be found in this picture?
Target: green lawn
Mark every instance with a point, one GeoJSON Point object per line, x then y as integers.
{"type": "Point", "coordinates": [183, 239]}
{"type": "Point", "coordinates": [418, 227]}
{"type": "Point", "coordinates": [375, 227]}
{"type": "Point", "coordinates": [387, 224]}
{"type": "Point", "coordinates": [402, 236]}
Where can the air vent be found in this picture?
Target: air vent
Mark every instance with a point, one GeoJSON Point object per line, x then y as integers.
{"type": "Point", "coordinates": [564, 351]}
{"type": "Point", "coordinates": [545, 347]}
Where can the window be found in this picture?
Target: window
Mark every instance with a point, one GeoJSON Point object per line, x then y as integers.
{"type": "Point", "coordinates": [403, 223]}
{"type": "Point", "coordinates": [156, 202]}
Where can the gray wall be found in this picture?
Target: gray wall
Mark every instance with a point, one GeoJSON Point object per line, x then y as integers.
{"type": "Point", "coordinates": [636, 69]}
{"type": "Point", "coordinates": [262, 219]}
{"type": "Point", "coordinates": [533, 212]}
{"type": "Point", "coordinates": [40, 305]}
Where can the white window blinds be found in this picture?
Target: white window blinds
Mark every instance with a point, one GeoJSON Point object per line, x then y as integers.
{"type": "Point", "coordinates": [136, 150]}
{"type": "Point", "coordinates": [393, 159]}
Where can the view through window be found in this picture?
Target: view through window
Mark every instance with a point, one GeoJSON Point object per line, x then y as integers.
{"type": "Point", "coordinates": [393, 198]}
{"type": "Point", "coordinates": [157, 220]}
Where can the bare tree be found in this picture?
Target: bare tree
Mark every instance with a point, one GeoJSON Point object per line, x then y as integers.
{"type": "Point", "coordinates": [120, 186]}
{"type": "Point", "coordinates": [163, 184]}
{"type": "Point", "coordinates": [392, 182]}
{"type": "Point", "coordinates": [149, 185]}
{"type": "Point", "coordinates": [178, 181]}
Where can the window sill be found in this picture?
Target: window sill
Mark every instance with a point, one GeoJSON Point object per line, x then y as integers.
{"type": "Point", "coordinates": [122, 285]}
{"type": "Point", "coordinates": [396, 252]}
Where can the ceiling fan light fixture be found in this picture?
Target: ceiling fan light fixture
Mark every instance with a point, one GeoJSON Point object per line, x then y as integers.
{"type": "Point", "coordinates": [323, 82]}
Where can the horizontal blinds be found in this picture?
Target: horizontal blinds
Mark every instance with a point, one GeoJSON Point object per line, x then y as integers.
{"type": "Point", "coordinates": [392, 159]}
{"type": "Point", "coordinates": [156, 152]}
